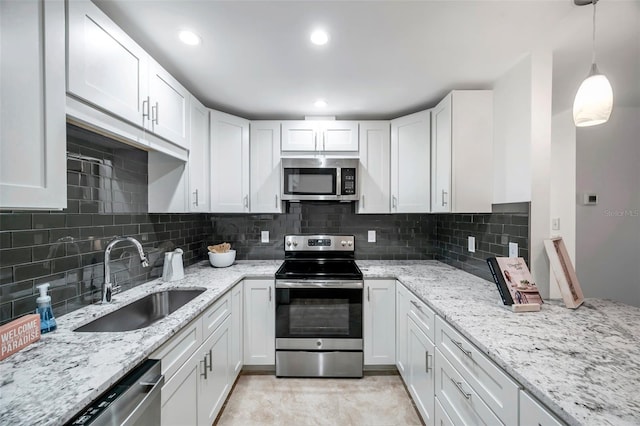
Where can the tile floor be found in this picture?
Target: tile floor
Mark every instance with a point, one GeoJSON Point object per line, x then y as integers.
{"type": "Point", "coordinates": [267, 400]}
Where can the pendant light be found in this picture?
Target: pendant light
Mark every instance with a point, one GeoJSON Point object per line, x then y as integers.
{"type": "Point", "coordinates": [594, 100]}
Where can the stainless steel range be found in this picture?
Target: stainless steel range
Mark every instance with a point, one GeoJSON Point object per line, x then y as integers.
{"type": "Point", "coordinates": [319, 308]}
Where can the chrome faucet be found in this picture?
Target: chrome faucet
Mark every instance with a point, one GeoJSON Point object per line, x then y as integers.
{"type": "Point", "coordinates": [107, 288]}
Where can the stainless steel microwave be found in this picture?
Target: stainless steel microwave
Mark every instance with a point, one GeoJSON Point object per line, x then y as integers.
{"type": "Point", "coordinates": [324, 179]}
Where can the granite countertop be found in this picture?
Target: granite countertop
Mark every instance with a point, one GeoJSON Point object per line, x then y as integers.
{"type": "Point", "coordinates": [583, 364]}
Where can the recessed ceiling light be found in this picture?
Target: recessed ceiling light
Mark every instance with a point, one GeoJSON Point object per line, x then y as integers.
{"type": "Point", "coordinates": [189, 37]}
{"type": "Point", "coordinates": [320, 103]}
{"type": "Point", "coordinates": [319, 37]}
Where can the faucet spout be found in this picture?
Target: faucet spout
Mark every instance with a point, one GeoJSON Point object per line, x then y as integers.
{"type": "Point", "coordinates": [107, 287]}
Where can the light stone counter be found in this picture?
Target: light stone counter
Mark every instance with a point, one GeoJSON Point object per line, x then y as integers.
{"type": "Point", "coordinates": [583, 364]}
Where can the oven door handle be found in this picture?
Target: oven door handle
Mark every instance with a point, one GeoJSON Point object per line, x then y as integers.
{"type": "Point", "coordinates": [319, 284]}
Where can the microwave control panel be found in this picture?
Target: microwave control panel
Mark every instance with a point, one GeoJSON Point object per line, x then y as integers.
{"type": "Point", "coordinates": [348, 181]}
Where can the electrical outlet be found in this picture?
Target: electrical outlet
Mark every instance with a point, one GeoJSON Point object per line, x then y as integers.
{"type": "Point", "coordinates": [472, 244]}
{"type": "Point", "coordinates": [513, 249]}
{"type": "Point", "coordinates": [555, 224]}
{"type": "Point", "coordinates": [264, 236]}
{"type": "Point", "coordinates": [371, 236]}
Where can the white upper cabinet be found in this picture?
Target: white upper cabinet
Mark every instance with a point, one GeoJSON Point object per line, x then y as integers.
{"type": "Point", "coordinates": [106, 67]}
{"type": "Point", "coordinates": [169, 106]}
{"type": "Point", "coordinates": [229, 163]}
{"type": "Point", "coordinates": [265, 167]}
{"type": "Point", "coordinates": [198, 164]}
{"type": "Point", "coordinates": [375, 159]}
{"type": "Point", "coordinates": [321, 135]}
{"type": "Point", "coordinates": [108, 70]}
{"type": "Point", "coordinates": [32, 105]}
{"type": "Point", "coordinates": [410, 161]}
{"type": "Point", "coordinates": [462, 152]}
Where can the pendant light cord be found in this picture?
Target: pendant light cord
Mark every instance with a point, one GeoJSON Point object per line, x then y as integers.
{"type": "Point", "coordinates": [593, 51]}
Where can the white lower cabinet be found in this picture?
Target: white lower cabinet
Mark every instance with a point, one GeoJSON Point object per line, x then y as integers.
{"type": "Point", "coordinates": [421, 371]}
{"type": "Point", "coordinates": [379, 333]}
{"type": "Point", "coordinates": [259, 322]}
{"type": "Point", "coordinates": [200, 366]}
{"type": "Point", "coordinates": [441, 418]}
{"type": "Point", "coordinates": [237, 314]}
{"type": "Point", "coordinates": [532, 413]}
{"type": "Point", "coordinates": [402, 312]}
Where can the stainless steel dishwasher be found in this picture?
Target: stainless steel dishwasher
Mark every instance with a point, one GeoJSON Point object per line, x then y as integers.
{"type": "Point", "coordinates": [134, 400]}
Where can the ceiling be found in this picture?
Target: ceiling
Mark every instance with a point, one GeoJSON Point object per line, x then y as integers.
{"type": "Point", "coordinates": [384, 58]}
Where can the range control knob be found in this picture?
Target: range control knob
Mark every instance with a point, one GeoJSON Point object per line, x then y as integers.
{"type": "Point", "coordinates": [350, 243]}
{"type": "Point", "coordinates": [295, 244]}
{"type": "Point", "coordinates": [289, 243]}
{"type": "Point", "coordinates": [343, 243]}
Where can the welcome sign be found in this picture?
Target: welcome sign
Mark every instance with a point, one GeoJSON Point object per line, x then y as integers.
{"type": "Point", "coordinates": [19, 334]}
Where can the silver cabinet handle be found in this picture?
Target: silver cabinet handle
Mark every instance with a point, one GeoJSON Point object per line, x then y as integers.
{"type": "Point", "coordinates": [210, 360]}
{"type": "Point", "coordinates": [368, 294]}
{"type": "Point", "coordinates": [427, 355]}
{"type": "Point", "coordinates": [315, 141]}
{"type": "Point", "coordinates": [414, 303]}
{"type": "Point", "coordinates": [269, 293]}
{"type": "Point", "coordinates": [246, 201]}
{"type": "Point", "coordinates": [196, 195]}
{"type": "Point", "coordinates": [204, 364]}
{"type": "Point", "coordinates": [145, 111]}
{"type": "Point", "coordinates": [276, 201]}
{"type": "Point", "coordinates": [459, 386]}
{"type": "Point", "coordinates": [394, 202]}
{"type": "Point", "coordinates": [362, 201]}
{"type": "Point", "coordinates": [459, 345]}
{"type": "Point", "coordinates": [444, 193]}
{"type": "Point", "coordinates": [154, 113]}
{"type": "Point", "coordinates": [323, 140]}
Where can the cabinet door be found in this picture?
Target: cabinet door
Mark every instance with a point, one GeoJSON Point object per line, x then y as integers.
{"type": "Point", "coordinates": [410, 163]}
{"type": "Point", "coordinates": [169, 106]}
{"type": "Point", "coordinates": [402, 312]}
{"type": "Point", "coordinates": [375, 160]}
{"type": "Point", "coordinates": [532, 413]}
{"type": "Point", "coordinates": [259, 322]}
{"type": "Point", "coordinates": [379, 332]}
{"type": "Point", "coordinates": [421, 371]}
{"type": "Point", "coordinates": [105, 67]}
{"type": "Point", "coordinates": [339, 135]}
{"type": "Point", "coordinates": [299, 135]}
{"type": "Point", "coordinates": [441, 417]}
{"type": "Point", "coordinates": [214, 386]}
{"type": "Point", "coordinates": [198, 163]}
{"type": "Point", "coordinates": [265, 167]}
{"type": "Point", "coordinates": [441, 156]}
{"type": "Point", "coordinates": [237, 301]}
{"type": "Point", "coordinates": [229, 163]}
{"type": "Point", "coordinates": [179, 395]}
{"type": "Point", "coordinates": [32, 106]}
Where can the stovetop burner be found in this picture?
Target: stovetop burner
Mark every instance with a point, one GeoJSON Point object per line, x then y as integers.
{"type": "Point", "coordinates": [319, 269]}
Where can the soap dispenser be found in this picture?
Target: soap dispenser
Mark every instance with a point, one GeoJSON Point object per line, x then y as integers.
{"type": "Point", "coordinates": [47, 321]}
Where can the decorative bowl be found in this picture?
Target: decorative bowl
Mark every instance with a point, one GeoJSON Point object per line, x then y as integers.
{"type": "Point", "coordinates": [222, 260]}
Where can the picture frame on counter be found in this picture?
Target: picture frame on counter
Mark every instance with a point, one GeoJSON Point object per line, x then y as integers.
{"type": "Point", "coordinates": [564, 272]}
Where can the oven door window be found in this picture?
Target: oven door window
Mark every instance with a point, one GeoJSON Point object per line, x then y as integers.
{"type": "Point", "coordinates": [321, 313]}
{"type": "Point", "coordinates": [310, 181]}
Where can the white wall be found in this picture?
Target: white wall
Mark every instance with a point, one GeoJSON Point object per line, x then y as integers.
{"type": "Point", "coordinates": [563, 185]}
{"type": "Point", "coordinates": [608, 234]}
{"type": "Point", "coordinates": [512, 134]}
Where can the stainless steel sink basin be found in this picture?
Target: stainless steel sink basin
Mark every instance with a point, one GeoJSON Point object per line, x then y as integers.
{"type": "Point", "coordinates": [142, 313]}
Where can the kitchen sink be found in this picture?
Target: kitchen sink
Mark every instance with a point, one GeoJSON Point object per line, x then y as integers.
{"type": "Point", "coordinates": [142, 313]}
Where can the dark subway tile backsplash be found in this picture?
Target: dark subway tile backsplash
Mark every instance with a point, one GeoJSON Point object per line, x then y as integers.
{"type": "Point", "coordinates": [107, 197]}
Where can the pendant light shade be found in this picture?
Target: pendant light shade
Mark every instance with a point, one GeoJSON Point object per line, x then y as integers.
{"type": "Point", "coordinates": [594, 101]}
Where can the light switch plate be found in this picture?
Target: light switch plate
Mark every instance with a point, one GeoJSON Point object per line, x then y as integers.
{"type": "Point", "coordinates": [472, 244]}
{"type": "Point", "coordinates": [555, 224]}
{"type": "Point", "coordinates": [371, 236]}
{"type": "Point", "coordinates": [264, 236]}
{"type": "Point", "coordinates": [513, 249]}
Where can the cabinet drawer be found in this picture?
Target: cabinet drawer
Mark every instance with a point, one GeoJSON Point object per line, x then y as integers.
{"type": "Point", "coordinates": [176, 351]}
{"type": "Point", "coordinates": [532, 413]}
{"type": "Point", "coordinates": [423, 316]}
{"type": "Point", "coordinates": [214, 315]}
{"type": "Point", "coordinates": [459, 400]}
{"type": "Point", "coordinates": [491, 384]}
{"type": "Point", "coordinates": [441, 417]}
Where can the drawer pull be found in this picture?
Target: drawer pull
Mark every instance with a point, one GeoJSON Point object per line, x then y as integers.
{"type": "Point", "coordinates": [204, 364]}
{"type": "Point", "coordinates": [459, 345]}
{"type": "Point", "coordinates": [210, 360]}
{"type": "Point", "coordinates": [459, 386]}
{"type": "Point", "coordinates": [414, 303]}
{"type": "Point", "coordinates": [427, 355]}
